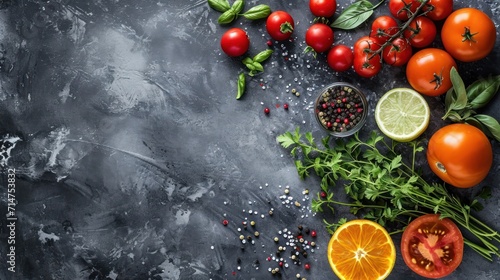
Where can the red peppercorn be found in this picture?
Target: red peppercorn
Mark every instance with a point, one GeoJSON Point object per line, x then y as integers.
{"type": "Point", "coordinates": [266, 111]}
{"type": "Point", "coordinates": [225, 222]}
{"type": "Point", "coordinates": [307, 266]}
{"type": "Point", "coordinates": [314, 233]}
{"type": "Point", "coordinates": [268, 259]}
{"type": "Point", "coordinates": [329, 124]}
{"type": "Point", "coordinates": [344, 100]}
{"type": "Point", "coordinates": [325, 105]}
{"type": "Point", "coordinates": [346, 121]}
{"type": "Point", "coordinates": [339, 110]}
{"type": "Point", "coordinates": [337, 120]}
{"type": "Point", "coordinates": [280, 263]}
{"type": "Point", "coordinates": [360, 110]}
{"type": "Point", "coordinates": [322, 194]}
{"type": "Point", "coordinates": [285, 106]}
{"type": "Point", "coordinates": [269, 42]}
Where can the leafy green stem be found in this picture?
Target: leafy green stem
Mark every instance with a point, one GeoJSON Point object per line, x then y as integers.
{"type": "Point", "coordinates": [382, 186]}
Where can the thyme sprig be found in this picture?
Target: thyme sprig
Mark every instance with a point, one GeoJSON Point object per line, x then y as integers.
{"type": "Point", "coordinates": [382, 185]}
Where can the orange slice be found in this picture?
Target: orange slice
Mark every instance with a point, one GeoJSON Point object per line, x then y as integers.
{"type": "Point", "coordinates": [361, 250]}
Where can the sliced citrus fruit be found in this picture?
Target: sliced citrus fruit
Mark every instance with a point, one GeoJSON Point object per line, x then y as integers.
{"type": "Point", "coordinates": [361, 249]}
{"type": "Point", "coordinates": [402, 114]}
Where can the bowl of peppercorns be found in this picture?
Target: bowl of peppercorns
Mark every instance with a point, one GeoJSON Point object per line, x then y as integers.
{"type": "Point", "coordinates": [341, 109]}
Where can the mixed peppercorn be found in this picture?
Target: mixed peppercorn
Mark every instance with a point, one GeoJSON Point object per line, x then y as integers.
{"type": "Point", "coordinates": [340, 108]}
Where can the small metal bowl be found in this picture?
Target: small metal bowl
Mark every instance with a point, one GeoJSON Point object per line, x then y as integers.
{"type": "Point", "coordinates": [341, 109]}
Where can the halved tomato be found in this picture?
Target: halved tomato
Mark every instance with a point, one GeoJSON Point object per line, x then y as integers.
{"type": "Point", "coordinates": [432, 247]}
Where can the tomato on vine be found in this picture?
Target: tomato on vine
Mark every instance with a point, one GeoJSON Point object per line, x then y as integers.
{"type": "Point", "coordinates": [428, 71]}
{"type": "Point", "coordinates": [383, 27]}
{"type": "Point", "coordinates": [421, 32]}
{"type": "Point", "coordinates": [235, 42]}
{"type": "Point", "coordinates": [366, 45]}
{"type": "Point", "coordinates": [323, 8]}
{"type": "Point", "coordinates": [280, 25]}
{"type": "Point", "coordinates": [468, 34]}
{"type": "Point", "coordinates": [366, 63]}
{"type": "Point", "coordinates": [340, 58]}
{"type": "Point", "coordinates": [398, 52]}
{"type": "Point", "coordinates": [319, 37]}
{"type": "Point", "coordinates": [403, 9]}
{"type": "Point", "coordinates": [438, 9]}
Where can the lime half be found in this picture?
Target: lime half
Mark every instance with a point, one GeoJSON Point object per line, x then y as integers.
{"type": "Point", "coordinates": [402, 114]}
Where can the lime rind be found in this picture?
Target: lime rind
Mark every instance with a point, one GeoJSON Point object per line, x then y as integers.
{"type": "Point", "coordinates": [402, 114]}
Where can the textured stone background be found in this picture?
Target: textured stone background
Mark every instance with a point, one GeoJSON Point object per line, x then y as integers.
{"type": "Point", "coordinates": [130, 148]}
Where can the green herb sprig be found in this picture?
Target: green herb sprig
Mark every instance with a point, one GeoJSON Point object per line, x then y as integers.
{"type": "Point", "coordinates": [231, 12]}
{"type": "Point", "coordinates": [381, 184]}
{"type": "Point", "coordinates": [461, 103]}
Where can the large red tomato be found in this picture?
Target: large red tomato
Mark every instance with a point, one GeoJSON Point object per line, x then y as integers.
{"type": "Point", "coordinates": [468, 34]}
{"type": "Point", "coordinates": [432, 247]}
{"type": "Point", "coordinates": [428, 71]}
{"type": "Point", "coordinates": [460, 154]}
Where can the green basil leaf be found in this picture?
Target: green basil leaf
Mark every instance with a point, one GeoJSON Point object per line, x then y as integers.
{"type": "Point", "coordinates": [460, 100]}
{"type": "Point", "coordinates": [449, 100]}
{"type": "Point", "coordinates": [247, 60]}
{"type": "Point", "coordinates": [250, 67]}
{"type": "Point", "coordinates": [241, 85]}
{"type": "Point", "coordinates": [258, 66]}
{"type": "Point", "coordinates": [219, 5]}
{"type": "Point", "coordinates": [491, 124]}
{"type": "Point", "coordinates": [453, 116]}
{"type": "Point", "coordinates": [227, 17]}
{"type": "Point", "coordinates": [354, 15]}
{"type": "Point", "coordinates": [237, 7]}
{"type": "Point", "coordinates": [258, 12]}
{"type": "Point", "coordinates": [482, 91]}
{"type": "Point", "coordinates": [263, 55]}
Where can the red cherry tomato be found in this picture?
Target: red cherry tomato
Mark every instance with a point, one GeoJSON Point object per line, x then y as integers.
{"type": "Point", "coordinates": [383, 27]}
{"type": "Point", "coordinates": [235, 42]}
{"type": "Point", "coordinates": [438, 9]}
{"type": "Point", "coordinates": [432, 247]}
{"type": "Point", "coordinates": [366, 45]}
{"type": "Point", "coordinates": [340, 58]}
{"type": "Point", "coordinates": [319, 37]}
{"type": "Point", "coordinates": [280, 25]}
{"type": "Point", "coordinates": [402, 9]}
{"type": "Point", "coordinates": [323, 8]}
{"type": "Point", "coordinates": [398, 52]}
{"type": "Point", "coordinates": [421, 32]}
{"type": "Point", "coordinates": [365, 63]}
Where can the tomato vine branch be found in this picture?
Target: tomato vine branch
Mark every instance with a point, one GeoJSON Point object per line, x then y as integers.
{"type": "Point", "coordinates": [401, 29]}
